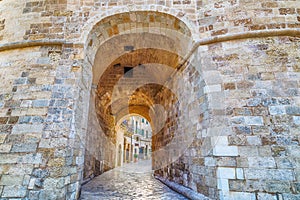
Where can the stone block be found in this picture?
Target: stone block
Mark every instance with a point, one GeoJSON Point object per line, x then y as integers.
{"type": "Point", "coordinates": [20, 169]}
{"type": "Point", "coordinates": [225, 151]}
{"type": "Point", "coordinates": [262, 162]}
{"type": "Point", "coordinates": [10, 180]}
{"type": "Point", "coordinates": [242, 162]}
{"type": "Point", "coordinates": [48, 194]}
{"type": "Point", "coordinates": [73, 187]}
{"type": "Point", "coordinates": [40, 103]}
{"type": "Point", "coordinates": [223, 184]}
{"type": "Point", "coordinates": [252, 102]}
{"type": "Point", "coordinates": [219, 141]}
{"type": "Point", "coordinates": [217, 131]}
{"type": "Point", "coordinates": [266, 196]}
{"type": "Point", "coordinates": [237, 185]}
{"type": "Point", "coordinates": [248, 151]}
{"type": "Point", "coordinates": [293, 110]}
{"type": "Point", "coordinates": [40, 173]}
{"type": "Point", "coordinates": [54, 183]}
{"type": "Point", "coordinates": [285, 162]}
{"type": "Point", "coordinates": [278, 187]}
{"type": "Point", "coordinates": [57, 162]}
{"type": "Point", "coordinates": [27, 128]}
{"type": "Point", "coordinates": [296, 120]}
{"type": "Point", "coordinates": [8, 158]}
{"type": "Point", "coordinates": [264, 151]}
{"type": "Point", "coordinates": [24, 119]}
{"type": "Point", "coordinates": [212, 77]}
{"type": "Point", "coordinates": [237, 140]}
{"type": "Point", "coordinates": [254, 140]}
{"type": "Point", "coordinates": [5, 148]}
{"type": "Point", "coordinates": [14, 192]}
{"type": "Point", "coordinates": [239, 173]}
{"type": "Point", "coordinates": [31, 183]}
{"type": "Point", "coordinates": [34, 195]}
{"type": "Point", "coordinates": [296, 187]}
{"type": "Point", "coordinates": [269, 174]}
{"type": "Point", "coordinates": [26, 103]}
{"type": "Point", "coordinates": [209, 161]}
{"type": "Point", "coordinates": [226, 161]}
{"type": "Point", "coordinates": [289, 196]}
{"type": "Point", "coordinates": [226, 173]}
{"type": "Point", "coordinates": [238, 196]}
{"type": "Point", "coordinates": [237, 120]}
{"type": "Point", "coordinates": [254, 120]}
{"type": "Point", "coordinates": [26, 180]}
{"type": "Point", "coordinates": [277, 110]}
{"type": "Point", "coordinates": [242, 129]}
{"type": "Point", "coordinates": [31, 158]}
{"type": "Point", "coordinates": [216, 100]}
{"type": "Point", "coordinates": [294, 151]}
{"type": "Point", "coordinates": [2, 137]}
{"type": "Point", "coordinates": [24, 147]}
{"type": "Point", "coordinates": [212, 88]}
{"type": "Point", "coordinates": [297, 174]}
{"type": "Point", "coordinates": [53, 143]}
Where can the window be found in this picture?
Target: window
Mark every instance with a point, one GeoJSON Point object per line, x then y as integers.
{"type": "Point", "coordinates": [136, 127]}
{"type": "Point", "coordinates": [147, 134]}
{"type": "Point", "coordinates": [128, 72]}
{"type": "Point", "coordinates": [143, 120]}
{"type": "Point", "coordinates": [143, 132]}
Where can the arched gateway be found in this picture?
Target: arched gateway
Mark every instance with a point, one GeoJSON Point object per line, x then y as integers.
{"type": "Point", "coordinates": [217, 80]}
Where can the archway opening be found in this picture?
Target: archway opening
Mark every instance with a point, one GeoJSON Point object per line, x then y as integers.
{"type": "Point", "coordinates": [142, 65]}
{"type": "Point", "coordinates": [134, 135]}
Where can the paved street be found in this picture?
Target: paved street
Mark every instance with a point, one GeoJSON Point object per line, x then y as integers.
{"type": "Point", "coordinates": [133, 181]}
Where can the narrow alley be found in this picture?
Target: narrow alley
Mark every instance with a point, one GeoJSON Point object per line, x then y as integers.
{"type": "Point", "coordinates": [132, 181]}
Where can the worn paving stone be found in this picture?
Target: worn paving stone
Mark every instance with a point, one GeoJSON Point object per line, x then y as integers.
{"type": "Point", "coordinates": [133, 181]}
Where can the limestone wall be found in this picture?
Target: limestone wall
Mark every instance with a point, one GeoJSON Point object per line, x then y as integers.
{"type": "Point", "coordinates": [66, 19]}
{"type": "Point", "coordinates": [218, 18]}
{"type": "Point", "coordinates": [245, 144]}
{"type": "Point", "coordinates": [242, 72]}
{"type": "Point", "coordinates": [256, 151]}
{"type": "Point", "coordinates": [40, 151]}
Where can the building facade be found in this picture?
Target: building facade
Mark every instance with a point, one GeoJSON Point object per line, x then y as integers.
{"type": "Point", "coordinates": [217, 80]}
{"type": "Point", "coordinates": [137, 138]}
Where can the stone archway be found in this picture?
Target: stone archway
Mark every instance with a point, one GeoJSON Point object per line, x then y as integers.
{"type": "Point", "coordinates": [161, 83]}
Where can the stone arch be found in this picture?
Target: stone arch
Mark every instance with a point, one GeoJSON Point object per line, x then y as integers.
{"type": "Point", "coordinates": [107, 26]}
{"type": "Point", "coordinates": [92, 22]}
{"type": "Point", "coordinates": [172, 48]}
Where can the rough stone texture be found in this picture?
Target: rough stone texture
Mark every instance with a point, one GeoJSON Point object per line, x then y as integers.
{"type": "Point", "coordinates": [231, 96]}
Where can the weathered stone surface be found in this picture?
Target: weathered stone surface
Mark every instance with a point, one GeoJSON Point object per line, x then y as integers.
{"type": "Point", "coordinates": [10, 180]}
{"type": "Point", "coordinates": [40, 173]}
{"type": "Point", "coordinates": [25, 147]}
{"type": "Point", "coordinates": [226, 173]}
{"type": "Point", "coordinates": [238, 66]}
{"type": "Point", "coordinates": [264, 162]}
{"type": "Point", "coordinates": [14, 191]}
{"type": "Point", "coordinates": [270, 174]}
{"type": "Point", "coordinates": [264, 196]}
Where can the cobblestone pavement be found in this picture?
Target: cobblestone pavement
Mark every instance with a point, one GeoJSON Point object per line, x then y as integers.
{"type": "Point", "coordinates": [133, 181]}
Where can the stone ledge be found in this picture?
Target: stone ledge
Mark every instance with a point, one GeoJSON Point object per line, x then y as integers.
{"type": "Point", "coordinates": [190, 194]}
{"type": "Point", "coordinates": [250, 34]}
{"type": "Point", "coordinates": [201, 42]}
{"type": "Point", "coordinates": [33, 43]}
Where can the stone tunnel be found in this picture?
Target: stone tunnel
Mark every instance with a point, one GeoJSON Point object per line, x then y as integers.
{"type": "Point", "coordinates": [217, 80]}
